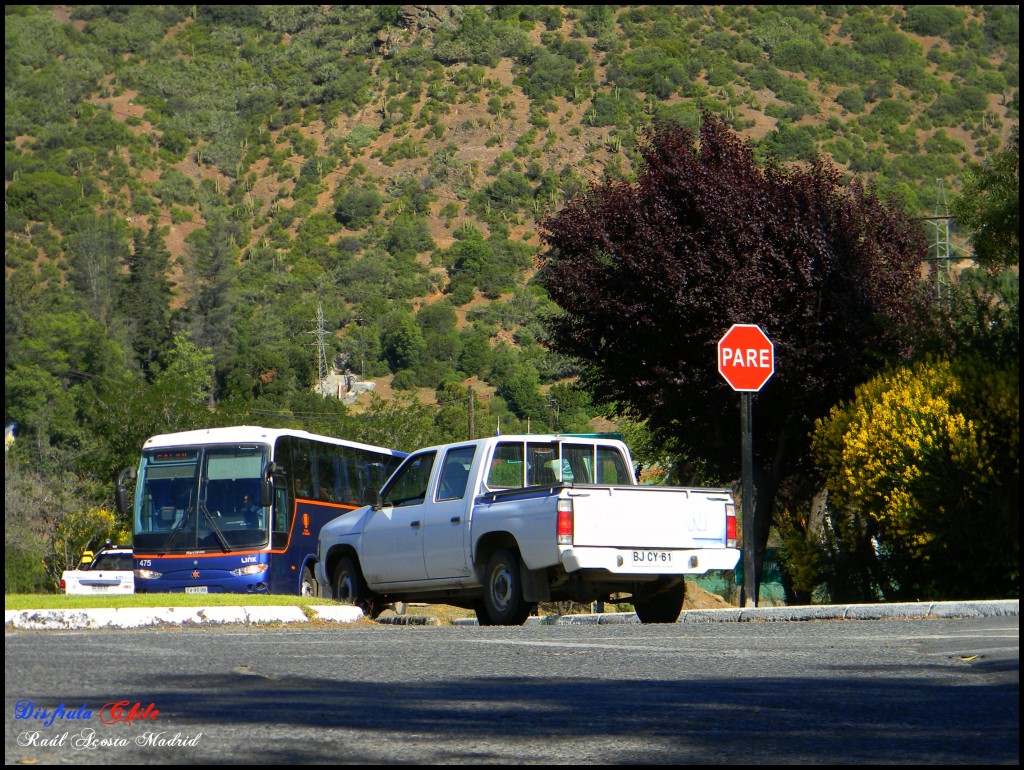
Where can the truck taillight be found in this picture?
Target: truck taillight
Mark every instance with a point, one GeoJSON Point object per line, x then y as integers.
{"type": "Point", "coordinates": [730, 525]}
{"type": "Point", "coordinates": [565, 522]}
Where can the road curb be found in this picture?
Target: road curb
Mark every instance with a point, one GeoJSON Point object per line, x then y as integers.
{"type": "Point", "coordinates": [140, 617]}
{"type": "Point", "coordinates": [971, 609]}
{"type": "Point", "coordinates": [146, 617]}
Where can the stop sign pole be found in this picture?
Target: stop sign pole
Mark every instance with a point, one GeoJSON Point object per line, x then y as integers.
{"type": "Point", "coordinates": [746, 359]}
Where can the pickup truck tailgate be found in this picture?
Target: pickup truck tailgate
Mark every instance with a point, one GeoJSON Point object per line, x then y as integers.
{"type": "Point", "coordinates": [648, 517]}
{"type": "Point", "coordinates": [99, 582]}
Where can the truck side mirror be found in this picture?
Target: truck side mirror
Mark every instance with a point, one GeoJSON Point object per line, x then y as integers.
{"type": "Point", "coordinates": [121, 491]}
{"type": "Point", "coordinates": [371, 497]}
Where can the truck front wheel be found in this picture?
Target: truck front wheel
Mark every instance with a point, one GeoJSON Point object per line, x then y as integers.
{"type": "Point", "coordinates": [503, 592]}
{"type": "Point", "coordinates": [308, 586]}
{"type": "Point", "coordinates": [663, 607]}
{"type": "Point", "coordinates": [350, 588]}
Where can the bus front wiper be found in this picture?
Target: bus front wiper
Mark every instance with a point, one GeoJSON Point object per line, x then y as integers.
{"type": "Point", "coordinates": [177, 528]}
{"type": "Point", "coordinates": [216, 530]}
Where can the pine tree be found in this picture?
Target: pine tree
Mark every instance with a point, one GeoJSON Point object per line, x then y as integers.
{"type": "Point", "coordinates": [146, 299]}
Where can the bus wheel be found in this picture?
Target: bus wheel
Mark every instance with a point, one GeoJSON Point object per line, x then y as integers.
{"type": "Point", "coordinates": [309, 586]}
{"type": "Point", "coordinates": [350, 588]}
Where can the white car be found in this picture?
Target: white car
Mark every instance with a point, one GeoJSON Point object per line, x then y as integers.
{"type": "Point", "coordinates": [111, 571]}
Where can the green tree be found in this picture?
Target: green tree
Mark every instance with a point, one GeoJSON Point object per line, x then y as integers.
{"type": "Point", "coordinates": [50, 383]}
{"type": "Point", "coordinates": [402, 341]}
{"type": "Point", "coordinates": [989, 207]}
{"type": "Point", "coordinates": [212, 298]}
{"type": "Point", "coordinates": [36, 502]}
{"type": "Point", "coordinates": [475, 354]}
{"type": "Point", "coordinates": [933, 19]}
{"type": "Point", "coordinates": [189, 368]}
{"type": "Point", "coordinates": [146, 298]}
{"type": "Point", "coordinates": [46, 196]}
{"type": "Point", "coordinates": [441, 341]}
{"type": "Point", "coordinates": [357, 207]}
{"type": "Point", "coordinates": [408, 236]}
{"type": "Point", "coordinates": [96, 249]}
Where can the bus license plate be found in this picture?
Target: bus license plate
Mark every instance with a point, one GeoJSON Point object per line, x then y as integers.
{"type": "Point", "coordinates": [651, 558]}
{"type": "Point", "coordinates": [196, 590]}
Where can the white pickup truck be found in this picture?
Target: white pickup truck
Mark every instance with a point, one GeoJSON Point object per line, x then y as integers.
{"type": "Point", "coordinates": [498, 524]}
{"type": "Point", "coordinates": [109, 571]}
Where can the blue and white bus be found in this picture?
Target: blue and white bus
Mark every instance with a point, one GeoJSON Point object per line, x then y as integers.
{"type": "Point", "coordinates": [239, 510]}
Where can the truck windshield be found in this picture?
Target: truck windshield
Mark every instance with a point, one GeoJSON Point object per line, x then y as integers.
{"type": "Point", "coordinates": [121, 560]}
{"type": "Point", "coordinates": [200, 499]}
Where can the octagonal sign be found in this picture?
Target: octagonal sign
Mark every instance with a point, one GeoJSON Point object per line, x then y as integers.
{"type": "Point", "coordinates": [746, 357]}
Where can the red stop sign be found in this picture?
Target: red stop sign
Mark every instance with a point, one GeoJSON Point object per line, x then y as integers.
{"type": "Point", "coordinates": [746, 357]}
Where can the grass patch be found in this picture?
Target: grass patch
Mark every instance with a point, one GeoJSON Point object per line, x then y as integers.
{"type": "Point", "coordinates": [63, 601]}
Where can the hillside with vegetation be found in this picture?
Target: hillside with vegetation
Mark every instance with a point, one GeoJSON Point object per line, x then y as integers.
{"type": "Point", "coordinates": [214, 214]}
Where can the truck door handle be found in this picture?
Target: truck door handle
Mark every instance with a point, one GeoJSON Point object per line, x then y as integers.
{"type": "Point", "coordinates": [456, 519]}
{"type": "Point", "coordinates": [414, 524]}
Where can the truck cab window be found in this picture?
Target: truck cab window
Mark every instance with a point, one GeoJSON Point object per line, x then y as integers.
{"type": "Point", "coordinates": [543, 464]}
{"type": "Point", "coordinates": [611, 467]}
{"type": "Point", "coordinates": [455, 475]}
{"type": "Point", "coordinates": [506, 469]}
{"type": "Point", "coordinates": [578, 463]}
{"type": "Point", "coordinates": [409, 486]}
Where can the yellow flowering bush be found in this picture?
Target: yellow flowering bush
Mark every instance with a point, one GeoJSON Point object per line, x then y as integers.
{"type": "Point", "coordinates": [927, 459]}
{"type": "Point", "coordinates": [82, 530]}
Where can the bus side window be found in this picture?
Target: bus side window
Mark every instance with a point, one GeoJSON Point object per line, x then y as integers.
{"type": "Point", "coordinates": [302, 468]}
{"type": "Point", "coordinates": [353, 484]}
{"type": "Point", "coordinates": [327, 473]}
{"type": "Point", "coordinates": [340, 476]}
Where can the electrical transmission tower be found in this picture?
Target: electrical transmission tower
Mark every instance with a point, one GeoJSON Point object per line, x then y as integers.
{"type": "Point", "coordinates": [321, 350]}
{"type": "Point", "coordinates": [943, 255]}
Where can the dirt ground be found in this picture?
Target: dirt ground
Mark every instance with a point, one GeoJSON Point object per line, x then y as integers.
{"type": "Point", "coordinates": [699, 599]}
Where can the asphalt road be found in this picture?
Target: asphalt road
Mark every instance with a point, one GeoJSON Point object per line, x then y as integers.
{"type": "Point", "coordinates": [884, 691]}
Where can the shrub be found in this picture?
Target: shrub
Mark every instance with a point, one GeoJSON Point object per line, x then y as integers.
{"type": "Point", "coordinates": [933, 19]}
{"type": "Point", "coordinates": [919, 457]}
{"type": "Point", "coordinates": [358, 206]}
{"type": "Point", "coordinates": [852, 99]}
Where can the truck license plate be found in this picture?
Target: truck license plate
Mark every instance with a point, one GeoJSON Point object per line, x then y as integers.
{"type": "Point", "coordinates": [196, 590]}
{"type": "Point", "coordinates": [651, 558]}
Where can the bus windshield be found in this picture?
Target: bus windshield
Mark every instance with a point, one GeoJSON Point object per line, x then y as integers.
{"type": "Point", "coordinates": [199, 499]}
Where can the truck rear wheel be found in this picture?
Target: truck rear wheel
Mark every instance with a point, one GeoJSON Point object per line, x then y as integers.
{"type": "Point", "coordinates": [503, 592]}
{"type": "Point", "coordinates": [350, 588]}
{"type": "Point", "coordinates": [662, 607]}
